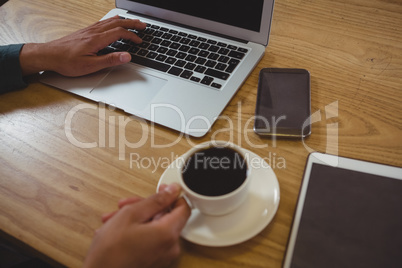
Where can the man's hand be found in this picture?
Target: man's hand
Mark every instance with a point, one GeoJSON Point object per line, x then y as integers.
{"type": "Point", "coordinates": [76, 54]}
{"type": "Point", "coordinates": [142, 233]}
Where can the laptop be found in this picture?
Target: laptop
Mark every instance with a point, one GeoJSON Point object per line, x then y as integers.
{"type": "Point", "coordinates": [194, 57]}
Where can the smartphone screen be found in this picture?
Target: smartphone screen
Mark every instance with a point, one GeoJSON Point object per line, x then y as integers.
{"type": "Point", "coordinates": [283, 103]}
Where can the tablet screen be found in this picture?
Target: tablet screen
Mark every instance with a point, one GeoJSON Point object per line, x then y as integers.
{"type": "Point", "coordinates": [349, 219]}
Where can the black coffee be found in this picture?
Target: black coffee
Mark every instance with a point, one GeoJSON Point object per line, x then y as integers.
{"type": "Point", "coordinates": [215, 171]}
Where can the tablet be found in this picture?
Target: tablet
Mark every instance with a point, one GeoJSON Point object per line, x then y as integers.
{"type": "Point", "coordinates": [349, 214]}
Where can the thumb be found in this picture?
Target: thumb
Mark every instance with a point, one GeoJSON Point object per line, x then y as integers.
{"type": "Point", "coordinates": [146, 209]}
{"type": "Point", "coordinates": [113, 59]}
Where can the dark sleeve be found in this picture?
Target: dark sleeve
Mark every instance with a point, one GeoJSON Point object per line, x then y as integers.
{"type": "Point", "coordinates": [10, 69]}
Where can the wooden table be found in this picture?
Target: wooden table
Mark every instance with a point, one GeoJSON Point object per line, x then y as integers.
{"type": "Point", "coordinates": [52, 193]}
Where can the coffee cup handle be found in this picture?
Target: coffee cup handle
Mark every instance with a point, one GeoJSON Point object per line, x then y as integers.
{"type": "Point", "coordinates": [182, 195]}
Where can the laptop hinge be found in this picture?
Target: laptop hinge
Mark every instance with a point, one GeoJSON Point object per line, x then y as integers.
{"type": "Point", "coordinates": [190, 27]}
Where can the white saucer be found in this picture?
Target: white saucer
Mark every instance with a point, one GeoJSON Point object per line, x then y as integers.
{"type": "Point", "coordinates": [242, 224]}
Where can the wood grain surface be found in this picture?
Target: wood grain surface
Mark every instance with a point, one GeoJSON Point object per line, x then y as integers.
{"type": "Point", "coordinates": [52, 193]}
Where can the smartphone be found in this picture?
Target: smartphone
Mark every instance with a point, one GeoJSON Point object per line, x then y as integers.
{"type": "Point", "coordinates": [283, 103]}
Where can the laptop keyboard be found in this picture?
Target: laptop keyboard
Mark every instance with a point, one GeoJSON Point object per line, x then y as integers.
{"type": "Point", "coordinates": [181, 54]}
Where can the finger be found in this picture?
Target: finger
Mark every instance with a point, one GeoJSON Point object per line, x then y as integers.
{"type": "Point", "coordinates": [115, 22]}
{"type": "Point", "coordinates": [102, 40]}
{"type": "Point", "coordinates": [146, 209]}
{"type": "Point", "coordinates": [159, 215]}
{"type": "Point", "coordinates": [96, 63]}
{"type": "Point", "coordinates": [177, 217]}
{"type": "Point", "coordinates": [122, 203]}
{"type": "Point", "coordinates": [129, 24]}
{"type": "Point", "coordinates": [162, 187]}
{"type": "Point", "coordinates": [129, 200]}
{"type": "Point", "coordinates": [105, 217]}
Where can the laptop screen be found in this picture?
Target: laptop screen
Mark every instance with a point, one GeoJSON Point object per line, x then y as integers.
{"type": "Point", "coordinates": [235, 13]}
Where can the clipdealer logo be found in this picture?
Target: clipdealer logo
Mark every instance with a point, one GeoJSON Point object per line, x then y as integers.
{"type": "Point", "coordinates": [147, 131]}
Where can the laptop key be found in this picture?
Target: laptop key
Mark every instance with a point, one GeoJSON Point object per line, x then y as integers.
{"type": "Point", "coordinates": [190, 66]}
{"type": "Point", "coordinates": [210, 63]}
{"type": "Point", "coordinates": [166, 43]}
{"type": "Point", "coordinates": [162, 50]}
{"type": "Point", "coordinates": [175, 71]}
{"type": "Point", "coordinates": [216, 85]}
{"type": "Point", "coordinates": [213, 48]}
{"type": "Point", "coordinates": [194, 51]}
{"type": "Point", "coordinates": [232, 65]}
{"type": "Point", "coordinates": [184, 48]}
{"type": "Point", "coordinates": [175, 38]}
{"type": "Point", "coordinates": [170, 60]}
{"type": "Point", "coordinates": [180, 63]}
{"type": "Point", "coordinates": [203, 53]}
{"type": "Point", "coordinates": [133, 50]}
{"type": "Point", "coordinates": [181, 55]}
{"type": "Point", "coordinates": [150, 63]}
{"type": "Point", "coordinates": [161, 57]}
{"type": "Point", "coordinates": [152, 55]}
{"type": "Point", "coordinates": [195, 79]}
{"type": "Point", "coordinates": [223, 51]}
{"type": "Point", "coordinates": [244, 50]}
{"type": "Point", "coordinates": [221, 66]}
{"type": "Point", "coordinates": [191, 58]}
{"type": "Point", "coordinates": [200, 69]}
{"type": "Point", "coordinates": [217, 74]}
{"type": "Point", "coordinates": [153, 47]}
{"type": "Point", "coordinates": [148, 31]}
{"type": "Point", "coordinates": [158, 33]}
{"type": "Point", "coordinates": [171, 52]}
{"type": "Point", "coordinates": [203, 46]}
{"type": "Point", "coordinates": [157, 40]}
{"type": "Point", "coordinates": [174, 46]}
{"type": "Point", "coordinates": [223, 59]}
{"type": "Point", "coordinates": [147, 38]}
{"type": "Point", "coordinates": [140, 34]}
{"type": "Point", "coordinates": [207, 80]}
{"type": "Point", "coordinates": [186, 74]}
{"type": "Point", "coordinates": [200, 60]}
{"type": "Point", "coordinates": [195, 43]}
{"type": "Point", "coordinates": [185, 41]}
{"type": "Point", "coordinates": [144, 45]}
{"type": "Point", "coordinates": [236, 54]}
{"type": "Point", "coordinates": [167, 36]}
{"type": "Point", "coordinates": [213, 56]}
{"type": "Point", "coordinates": [142, 52]}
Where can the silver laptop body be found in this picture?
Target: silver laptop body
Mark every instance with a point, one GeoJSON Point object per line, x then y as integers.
{"type": "Point", "coordinates": [191, 101]}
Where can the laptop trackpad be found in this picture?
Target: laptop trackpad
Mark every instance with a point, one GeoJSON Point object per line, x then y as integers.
{"type": "Point", "coordinates": [127, 88]}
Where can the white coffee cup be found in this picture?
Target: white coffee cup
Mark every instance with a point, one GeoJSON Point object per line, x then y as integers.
{"type": "Point", "coordinates": [223, 190]}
